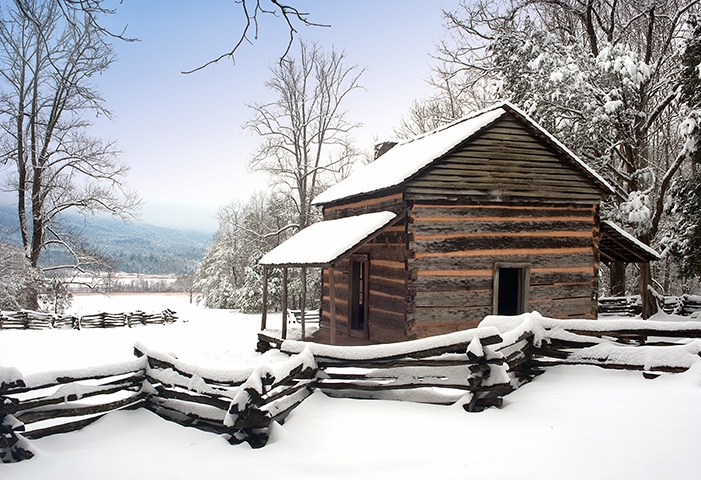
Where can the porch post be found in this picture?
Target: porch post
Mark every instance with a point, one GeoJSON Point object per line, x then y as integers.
{"type": "Point", "coordinates": [303, 302]}
{"type": "Point", "coordinates": [264, 317]}
{"type": "Point", "coordinates": [284, 303]}
{"type": "Point", "coordinates": [332, 304]}
{"type": "Point", "coordinates": [617, 281]}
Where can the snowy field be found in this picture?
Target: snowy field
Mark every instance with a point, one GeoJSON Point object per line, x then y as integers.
{"type": "Point", "coordinates": [571, 422]}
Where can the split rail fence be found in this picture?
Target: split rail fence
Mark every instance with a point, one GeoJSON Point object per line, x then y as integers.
{"type": "Point", "coordinates": [48, 403]}
{"type": "Point", "coordinates": [632, 306]}
{"type": "Point", "coordinates": [473, 368]}
{"type": "Point", "coordinates": [31, 320]}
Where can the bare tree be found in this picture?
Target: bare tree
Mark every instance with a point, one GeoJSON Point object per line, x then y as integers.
{"type": "Point", "coordinates": [48, 59]}
{"type": "Point", "coordinates": [453, 99]}
{"type": "Point", "coordinates": [229, 275]}
{"type": "Point", "coordinates": [92, 13]}
{"type": "Point", "coordinates": [304, 132]}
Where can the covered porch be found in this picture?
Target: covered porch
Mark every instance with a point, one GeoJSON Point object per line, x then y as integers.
{"type": "Point", "coordinates": [323, 245]}
{"type": "Point", "coordinates": [618, 248]}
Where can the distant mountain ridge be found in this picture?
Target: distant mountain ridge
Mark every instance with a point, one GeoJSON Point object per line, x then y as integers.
{"type": "Point", "coordinates": [134, 247]}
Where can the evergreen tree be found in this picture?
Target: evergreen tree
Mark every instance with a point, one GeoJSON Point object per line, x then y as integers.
{"type": "Point", "coordinates": [685, 242]}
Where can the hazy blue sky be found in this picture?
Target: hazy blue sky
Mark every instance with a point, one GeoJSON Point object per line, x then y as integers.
{"type": "Point", "coordinates": [182, 134]}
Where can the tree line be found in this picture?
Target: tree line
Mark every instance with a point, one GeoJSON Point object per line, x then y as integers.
{"type": "Point", "coordinates": [617, 82]}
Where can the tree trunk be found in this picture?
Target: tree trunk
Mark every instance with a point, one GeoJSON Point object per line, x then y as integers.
{"type": "Point", "coordinates": [649, 303]}
{"type": "Point", "coordinates": [617, 282]}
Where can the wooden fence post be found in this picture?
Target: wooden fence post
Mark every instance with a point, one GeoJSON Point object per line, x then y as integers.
{"type": "Point", "coordinates": [488, 378]}
{"type": "Point", "coordinates": [332, 305]}
{"type": "Point", "coordinates": [13, 446]}
{"type": "Point", "coordinates": [303, 302]}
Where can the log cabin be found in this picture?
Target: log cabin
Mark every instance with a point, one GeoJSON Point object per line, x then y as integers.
{"type": "Point", "coordinates": [488, 215]}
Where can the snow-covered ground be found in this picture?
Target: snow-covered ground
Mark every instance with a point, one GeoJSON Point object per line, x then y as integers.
{"type": "Point", "coordinates": [571, 422]}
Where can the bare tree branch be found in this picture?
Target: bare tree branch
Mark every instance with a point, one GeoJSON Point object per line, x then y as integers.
{"type": "Point", "coordinates": [252, 10]}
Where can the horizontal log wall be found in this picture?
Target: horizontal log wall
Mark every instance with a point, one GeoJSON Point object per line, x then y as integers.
{"type": "Point", "coordinates": [388, 300]}
{"type": "Point", "coordinates": [390, 202]}
{"type": "Point", "coordinates": [506, 162]}
{"type": "Point", "coordinates": [508, 196]}
{"type": "Point", "coordinates": [455, 248]}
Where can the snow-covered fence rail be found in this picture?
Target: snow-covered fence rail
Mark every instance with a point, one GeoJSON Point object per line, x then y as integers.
{"type": "Point", "coordinates": [648, 346]}
{"type": "Point", "coordinates": [109, 320]}
{"type": "Point", "coordinates": [47, 403]}
{"type": "Point", "coordinates": [27, 319]}
{"type": "Point", "coordinates": [473, 368]}
{"type": "Point", "coordinates": [269, 394]}
{"type": "Point", "coordinates": [685, 305]}
{"type": "Point", "coordinates": [459, 366]}
{"type": "Point", "coordinates": [240, 403]}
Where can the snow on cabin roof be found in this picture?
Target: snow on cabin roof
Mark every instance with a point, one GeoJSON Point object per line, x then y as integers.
{"type": "Point", "coordinates": [624, 245]}
{"type": "Point", "coordinates": [410, 156]}
{"type": "Point", "coordinates": [323, 242]}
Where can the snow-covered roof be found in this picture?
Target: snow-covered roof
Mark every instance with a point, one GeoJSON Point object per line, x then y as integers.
{"type": "Point", "coordinates": [616, 242]}
{"type": "Point", "coordinates": [410, 156]}
{"type": "Point", "coordinates": [323, 242]}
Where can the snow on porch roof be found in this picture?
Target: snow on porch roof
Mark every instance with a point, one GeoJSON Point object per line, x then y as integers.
{"type": "Point", "coordinates": [410, 156]}
{"type": "Point", "coordinates": [618, 245]}
{"type": "Point", "coordinates": [322, 243]}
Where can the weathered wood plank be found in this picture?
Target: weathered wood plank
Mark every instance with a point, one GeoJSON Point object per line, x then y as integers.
{"type": "Point", "coordinates": [484, 195]}
{"type": "Point", "coordinates": [557, 291]}
{"type": "Point", "coordinates": [510, 252]}
{"type": "Point", "coordinates": [500, 209]}
{"type": "Point", "coordinates": [381, 300]}
{"type": "Point", "coordinates": [453, 298]}
{"type": "Point", "coordinates": [451, 316]}
{"type": "Point", "coordinates": [474, 225]}
{"type": "Point", "coordinates": [392, 202]}
{"type": "Point", "coordinates": [578, 307]}
{"type": "Point", "coordinates": [386, 333]}
{"type": "Point", "coordinates": [545, 262]}
{"type": "Point", "coordinates": [423, 330]}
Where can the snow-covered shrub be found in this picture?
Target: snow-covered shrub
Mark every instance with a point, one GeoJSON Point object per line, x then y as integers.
{"type": "Point", "coordinates": [19, 282]}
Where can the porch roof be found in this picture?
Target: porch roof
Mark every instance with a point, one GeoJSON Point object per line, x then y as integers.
{"type": "Point", "coordinates": [323, 243]}
{"type": "Point", "coordinates": [619, 246]}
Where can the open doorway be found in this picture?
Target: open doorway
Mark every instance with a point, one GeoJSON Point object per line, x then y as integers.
{"type": "Point", "coordinates": [511, 285]}
{"type": "Point", "coordinates": [358, 290]}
